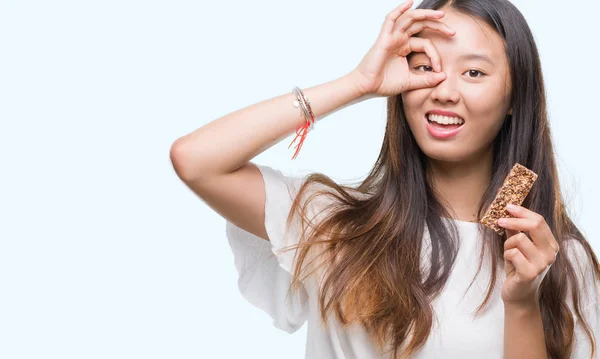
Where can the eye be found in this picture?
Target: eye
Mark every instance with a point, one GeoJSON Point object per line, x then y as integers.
{"type": "Point", "coordinates": [475, 71]}
{"type": "Point", "coordinates": [416, 67]}
{"type": "Point", "coordinates": [471, 72]}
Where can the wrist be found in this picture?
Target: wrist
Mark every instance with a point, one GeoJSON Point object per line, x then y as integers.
{"type": "Point", "coordinates": [522, 308]}
{"type": "Point", "coordinates": [355, 79]}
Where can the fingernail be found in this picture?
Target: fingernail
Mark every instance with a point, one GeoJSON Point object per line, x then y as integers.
{"type": "Point", "coordinates": [511, 206]}
{"type": "Point", "coordinates": [501, 221]}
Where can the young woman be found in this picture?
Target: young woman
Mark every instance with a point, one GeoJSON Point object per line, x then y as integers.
{"type": "Point", "coordinates": [399, 265]}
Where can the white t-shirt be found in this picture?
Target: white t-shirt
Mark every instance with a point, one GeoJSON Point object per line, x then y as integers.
{"type": "Point", "coordinates": [264, 279]}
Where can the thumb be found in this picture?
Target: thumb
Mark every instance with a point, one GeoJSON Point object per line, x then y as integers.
{"type": "Point", "coordinates": [428, 80]}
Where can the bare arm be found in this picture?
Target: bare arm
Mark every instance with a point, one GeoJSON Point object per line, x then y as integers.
{"type": "Point", "coordinates": [524, 333]}
{"type": "Point", "coordinates": [226, 144]}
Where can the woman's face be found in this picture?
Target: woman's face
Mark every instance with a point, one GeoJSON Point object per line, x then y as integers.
{"type": "Point", "coordinates": [478, 91]}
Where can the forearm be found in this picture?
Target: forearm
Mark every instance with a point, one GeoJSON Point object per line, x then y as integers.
{"type": "Point", "coordinates": [227, 143]}
{"type": "Point", "coordinates": [524, 333]}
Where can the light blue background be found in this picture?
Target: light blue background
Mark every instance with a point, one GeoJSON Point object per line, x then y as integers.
{"type": "Point", "coordinates": [104, 253]}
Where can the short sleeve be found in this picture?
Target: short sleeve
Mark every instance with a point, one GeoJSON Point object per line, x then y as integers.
{"type": "Point", "coordinates": [589, 299]}
{"type": "Point", "coordinates": [265, 273]}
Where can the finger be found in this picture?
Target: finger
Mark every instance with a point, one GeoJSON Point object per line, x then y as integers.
{"type": "Point", "coordinates": [417, 44]}
{"type": "Point", "coordinates": [539, 222]}
{"type": "Point", "coordinates": [539, 231]}
{"type": "Point", "coordinates": [428, 79]}
{"type": "Point", "coordinates": [521, 212]}
{"type": "Point", "coordinates": [390, 19]}
{"type": "Point", "coordinates": [528, 249]}
{"type": "Point", "coordinates": [419, 26]}
{"type": "Point", "coordinates": [427, 46]}
{"type": "Point", "coordinates": [521, 264]}
{"type": "Point", "coordinates": [412, 16]}
{"type": "Point", "coordinates": [517, 224]}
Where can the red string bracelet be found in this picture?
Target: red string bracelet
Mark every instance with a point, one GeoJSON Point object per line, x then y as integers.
{"type": "Point", "coordinates": [302, 132]}
{"type": "Point", "coordinates": [308, 115]}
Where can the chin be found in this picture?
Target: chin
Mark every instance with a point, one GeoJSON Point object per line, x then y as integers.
{"type": "Point", "coordinates": [446, 153]}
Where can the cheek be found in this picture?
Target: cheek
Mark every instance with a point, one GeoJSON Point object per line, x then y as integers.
{"type": "Point", "coordinates": [415, 96]}
{"type": "Point", "coordinates": [488, 100]}
{"type": "Point", "coordinates": [406, 99]}
{"type": "Point", "coordinates": [412, 101]}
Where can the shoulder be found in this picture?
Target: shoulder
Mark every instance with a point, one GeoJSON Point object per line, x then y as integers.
{"type": "Point", "coordinates": [580, 256]}
{"type": "Point", "coordinates": [583, 264]}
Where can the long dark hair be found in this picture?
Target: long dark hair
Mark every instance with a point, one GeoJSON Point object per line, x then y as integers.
{"type": "Point", "coordinates": [371, 238]}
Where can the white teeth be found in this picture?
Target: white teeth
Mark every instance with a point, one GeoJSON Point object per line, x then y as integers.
{"type": "Point", "coordinates": [445, 120]}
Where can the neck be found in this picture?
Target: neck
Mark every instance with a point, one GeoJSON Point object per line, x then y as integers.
{"type": "Point", "coordinates": [461, 185]}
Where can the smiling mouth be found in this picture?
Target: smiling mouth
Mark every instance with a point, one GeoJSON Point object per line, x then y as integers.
{"type": "Point", "coordinates": [444, 127]}
{"type": "Point", "coordinates": [442, 132]}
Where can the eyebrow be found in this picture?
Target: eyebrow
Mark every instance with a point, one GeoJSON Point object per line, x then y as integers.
{"type": "Point", "coordinates": [464, 57]}
{"type": "Point", "coordinates": [481, 57]}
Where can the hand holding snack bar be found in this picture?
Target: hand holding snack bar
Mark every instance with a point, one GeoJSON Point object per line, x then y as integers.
{"type": "Point", "coordinates": [515, 188]}
{"type": "Point", "coordinates": [527, 259]}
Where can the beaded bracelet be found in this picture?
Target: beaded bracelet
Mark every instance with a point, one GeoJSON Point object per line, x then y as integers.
{"type": "Point", "coordinates": [302, 101]}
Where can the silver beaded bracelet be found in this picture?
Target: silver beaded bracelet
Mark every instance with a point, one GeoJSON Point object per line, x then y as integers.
{"type": "Point", "coordinates": [302, 101]}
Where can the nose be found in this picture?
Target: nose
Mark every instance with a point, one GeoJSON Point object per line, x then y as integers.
{"type": "Point", "coordinates": [445, 91]}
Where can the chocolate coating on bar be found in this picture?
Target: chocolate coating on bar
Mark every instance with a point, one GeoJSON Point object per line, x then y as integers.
{"type": "Point", "coordinates": [515, 188]}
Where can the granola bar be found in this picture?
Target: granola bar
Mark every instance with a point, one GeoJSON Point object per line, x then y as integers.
{"type": "Point", "coordinates": [515, 188]}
